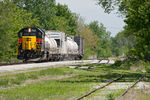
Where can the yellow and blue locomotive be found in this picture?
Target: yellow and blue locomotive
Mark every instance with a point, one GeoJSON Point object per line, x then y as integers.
{"type": "Point", "coordinates": [30, 43]}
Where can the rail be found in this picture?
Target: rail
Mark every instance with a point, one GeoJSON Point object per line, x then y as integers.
{"type": "Point", "coordinates": [99, 88]}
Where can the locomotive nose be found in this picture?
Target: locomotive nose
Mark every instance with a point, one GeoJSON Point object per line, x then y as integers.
{"type": "Point", "coordinates": [28, 43]}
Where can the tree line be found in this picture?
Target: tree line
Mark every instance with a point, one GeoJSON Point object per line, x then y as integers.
{"type": "Point", "coordinates": [137, 19]}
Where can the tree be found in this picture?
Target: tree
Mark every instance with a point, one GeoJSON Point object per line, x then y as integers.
{"type": "Point", "coordinates": [90, 40]}
{"type": "Point", "coordinates": [51, 16]}
{"type": "Point", "coordinates": [138, 23]}
{"type": "Point", "coordinates": [103, 45]}
{"type": "Point", "coordinates": [137, 18]}
{"type": "Point", "coordinates": [43, 9]}
{"type": "Point", "coordinates": [65, 20]}
{"type": "Point", "coordinates": [109, 5]}
{"type": "Point", "coordinates": [121, 43]}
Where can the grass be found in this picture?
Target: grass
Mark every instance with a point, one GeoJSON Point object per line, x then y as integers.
{"type": "Point", "coordinates": [144, 97]}
{"type": "Point", "coordinates": [46, 90]}
{"type": "Point", "coordinates": [63, 89]}
{"type": "Point", "coordinates": [17, 79]}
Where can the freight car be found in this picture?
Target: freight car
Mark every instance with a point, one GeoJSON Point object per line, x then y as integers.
{"type": "Point", "coordinates": [35, 43]}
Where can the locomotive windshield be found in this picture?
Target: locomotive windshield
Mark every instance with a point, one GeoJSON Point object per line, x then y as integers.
{"type": "Point", "coordinates": [29, 34]}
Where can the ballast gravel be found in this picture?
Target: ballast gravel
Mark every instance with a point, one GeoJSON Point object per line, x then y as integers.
{"type": "Point", "coordinates": [45, 64]}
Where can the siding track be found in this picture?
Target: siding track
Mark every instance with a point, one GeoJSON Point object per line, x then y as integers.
{"type": "Point", "coordinates": [99, 88]}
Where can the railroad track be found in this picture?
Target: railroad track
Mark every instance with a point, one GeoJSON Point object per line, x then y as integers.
{"type": "Point", "coordinates": [29, 62]}
{"type": "Point", "coordinates": [6, 64]}
{"type": "Point", "coordinates": [26, 62]}
{"type": "Point", "coordinates": [99, 88]}
{"type": "Point", "coordinates": [19, 63]}
{"type": "Point", "coordinates": [100, 61]}
{"type": "Point", "coordinates": [128, 89]}
{"type": "Point", "coordinates": [123, 94]}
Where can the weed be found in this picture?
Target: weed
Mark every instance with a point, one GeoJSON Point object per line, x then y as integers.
{"type": "Point", "coordinates": [4, 82]}
{"type": "Point", "coordinates": [110, 97]}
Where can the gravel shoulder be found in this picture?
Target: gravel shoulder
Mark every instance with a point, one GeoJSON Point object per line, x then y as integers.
{"type": "Point", "coordinates": [10, 68]}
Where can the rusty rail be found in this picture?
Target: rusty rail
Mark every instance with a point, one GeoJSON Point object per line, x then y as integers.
{"type": "Point", "coordinates": [99, 88]}
{"type": "Point", "coordinates": [130, 87]}
{"type": "Point", "coordinates": [6, 64]}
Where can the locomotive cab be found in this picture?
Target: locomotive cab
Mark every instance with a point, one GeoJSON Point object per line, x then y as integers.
{"type": "Point", "coordinates": [30, 43]}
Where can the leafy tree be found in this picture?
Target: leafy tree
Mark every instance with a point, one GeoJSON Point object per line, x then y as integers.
{"type": "Point", "coordinates": [138, 23]}
{"type": "Point", "coordinates": [109, 5]}
{"type": "Point", "coordinates": [121, 43]}
{"type": "Point", "coordinates": [43, 9]}
{"type": "Point", "coordinates": [59, 23]}
{"type": "Point", "coordinates": [65, 20]}
{"type": "Point", "coordinates": [103, 45]}
{"type": "Point", "coordinates": [99, 30]}
{"type": "Point", "coordinates": [137, 18]}
{"type": "Point", "coordinates": [51, 16]}
{"type": "Point", "coordinates": [90, 40]}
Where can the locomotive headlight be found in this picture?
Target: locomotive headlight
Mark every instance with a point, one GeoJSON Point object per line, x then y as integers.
{"type": "Point", "coordinates": [29, 30]}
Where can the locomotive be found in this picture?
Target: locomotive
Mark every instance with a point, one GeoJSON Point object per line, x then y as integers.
{"type": "Point", "coordinates": [47, 45]}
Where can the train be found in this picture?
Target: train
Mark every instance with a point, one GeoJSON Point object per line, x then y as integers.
{"type": "Point", "coordinates": [48, 45]}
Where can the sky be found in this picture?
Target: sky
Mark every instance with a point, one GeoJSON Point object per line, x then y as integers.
{"type": "Point", "coordinates": [90, 11]}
